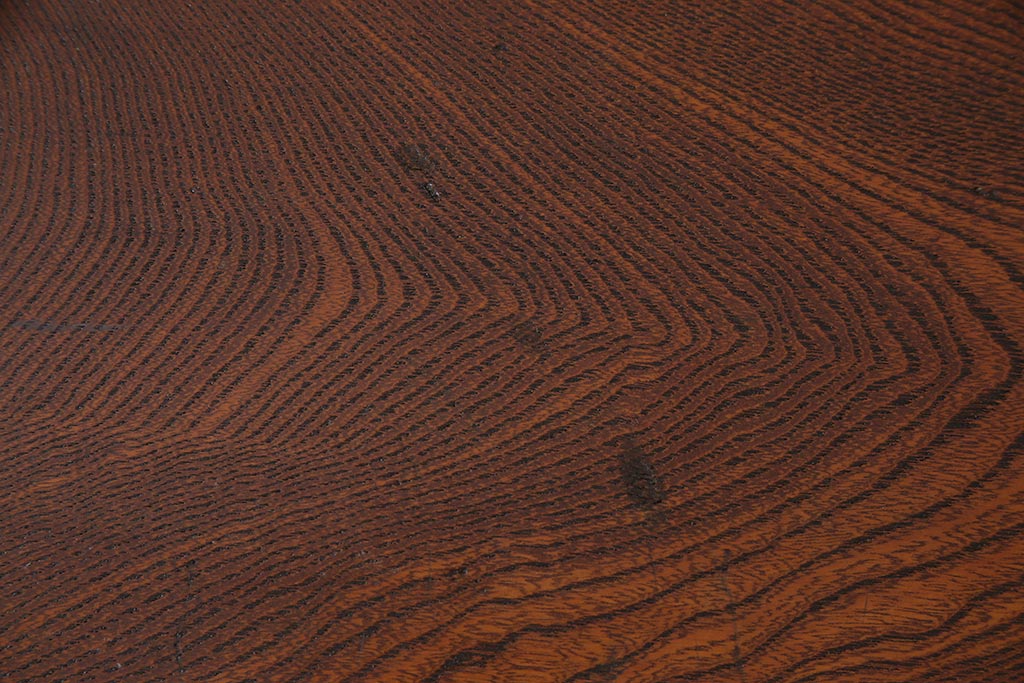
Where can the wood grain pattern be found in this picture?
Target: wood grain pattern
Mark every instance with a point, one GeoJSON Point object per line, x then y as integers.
{"type": "Point", "coordinates": [512, 341]}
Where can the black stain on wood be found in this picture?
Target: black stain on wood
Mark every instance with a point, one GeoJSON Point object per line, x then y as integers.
{"type": "Point", "coordinates": [431, 191]}
{"type": "Point", "coordinates": [641, 481]}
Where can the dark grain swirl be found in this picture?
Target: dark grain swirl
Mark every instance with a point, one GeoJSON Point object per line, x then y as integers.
{"type": "Point", "coordinates": [511, 341]}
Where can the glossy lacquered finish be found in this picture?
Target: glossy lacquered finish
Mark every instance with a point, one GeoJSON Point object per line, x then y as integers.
{"type": "Point", "coordinates": [513, 341]}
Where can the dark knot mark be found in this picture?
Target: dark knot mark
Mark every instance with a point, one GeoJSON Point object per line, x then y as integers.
{"type": "Point", "coordinates": [529, 335]}
{"type": "Point", "coordinates": [414, 157]}
{"type": "Point", "coordinates": [642, 483]}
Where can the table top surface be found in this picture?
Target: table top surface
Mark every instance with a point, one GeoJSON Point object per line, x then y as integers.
{"type": "Point", "coordinates": [511, 341]}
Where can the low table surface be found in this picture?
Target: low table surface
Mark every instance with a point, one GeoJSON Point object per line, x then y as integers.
{"type": "Point", "coordinates": [512, 341]}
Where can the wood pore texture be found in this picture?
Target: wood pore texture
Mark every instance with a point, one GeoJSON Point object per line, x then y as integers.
{"type": "Point", "coordinates": [514, 341]}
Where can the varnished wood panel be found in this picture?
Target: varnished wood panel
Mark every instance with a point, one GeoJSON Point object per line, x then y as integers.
{"type": "Point", "coordinates": [513, 341]}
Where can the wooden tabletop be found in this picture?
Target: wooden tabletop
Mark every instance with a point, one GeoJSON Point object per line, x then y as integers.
{"type": "Point", "coordinates": [511, 341]}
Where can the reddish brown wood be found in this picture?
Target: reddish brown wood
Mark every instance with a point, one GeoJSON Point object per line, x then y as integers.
{"type": "Point", "coordinates": [522, 341]}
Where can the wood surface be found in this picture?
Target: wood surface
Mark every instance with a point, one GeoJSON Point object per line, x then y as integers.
{"type": "Point", "coordinates": [511, 341]}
